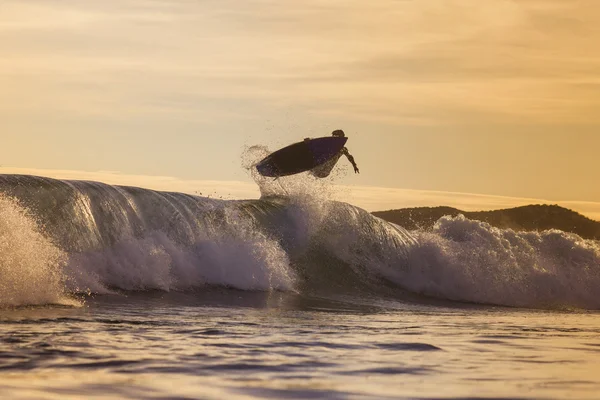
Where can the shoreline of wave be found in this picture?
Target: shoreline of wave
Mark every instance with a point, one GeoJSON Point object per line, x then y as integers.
{"type": "Point", "coordinates": [81, 237]}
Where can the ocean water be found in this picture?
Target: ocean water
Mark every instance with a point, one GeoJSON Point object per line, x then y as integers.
{"type": "Point", "coordinates": [122, 292]}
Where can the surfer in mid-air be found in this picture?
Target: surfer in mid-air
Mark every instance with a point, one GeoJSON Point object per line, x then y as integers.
{"type": "Point", "coordinates": [324, 170]}
{"type": "Point", "coordinates": [317, 156]}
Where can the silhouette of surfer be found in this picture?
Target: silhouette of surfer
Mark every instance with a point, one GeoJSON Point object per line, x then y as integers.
{"type": "Point", "coordinates": [317, 156]}
{"type": "Point", "coordinates": [324, 169]}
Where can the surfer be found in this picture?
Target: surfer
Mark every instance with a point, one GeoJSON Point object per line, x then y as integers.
{"type": "Point", "coordinates": [324, 170]}
{"type": "Point", "coordinates": [318, 156]}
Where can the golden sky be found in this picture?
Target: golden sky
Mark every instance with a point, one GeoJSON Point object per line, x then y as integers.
{"type": "Point", "coordinates": [495, 97]}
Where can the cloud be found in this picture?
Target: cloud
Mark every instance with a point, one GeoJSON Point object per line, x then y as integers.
{"type": "Point", "coordinates": [445, 94]}
{"type": "Point", "coordinates": [440, 59]}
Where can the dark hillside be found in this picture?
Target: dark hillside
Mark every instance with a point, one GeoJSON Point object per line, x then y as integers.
{"type": "Point", "coordinates": [526, 218]}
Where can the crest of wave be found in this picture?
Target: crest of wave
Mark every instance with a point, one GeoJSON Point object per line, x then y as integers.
{"type": "Point", "coordinates": [30, 265]}
{"type": "Point", "coordinates": [472, 261]}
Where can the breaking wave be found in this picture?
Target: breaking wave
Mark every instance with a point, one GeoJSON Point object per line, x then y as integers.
{"type": "Point", "coordinates": [63, 237]}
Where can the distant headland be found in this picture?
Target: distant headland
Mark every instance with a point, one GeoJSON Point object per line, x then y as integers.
{"type": "Point", "coordinates": [525, 218]}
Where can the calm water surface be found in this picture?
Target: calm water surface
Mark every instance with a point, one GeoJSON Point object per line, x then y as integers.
{"type": "Point", "coordinates": [234, 344]}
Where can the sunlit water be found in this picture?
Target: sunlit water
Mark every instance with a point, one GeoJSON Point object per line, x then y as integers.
{"type": "Point", "coordinates": [232, 344]}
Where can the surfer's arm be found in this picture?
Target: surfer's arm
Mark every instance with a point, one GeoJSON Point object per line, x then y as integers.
{"type": "Point", "coordinates": [351, 159]}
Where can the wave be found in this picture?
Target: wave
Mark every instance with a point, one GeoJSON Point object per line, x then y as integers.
{"type": "Point", "coordinates": [465, 260]}
{"type": "Point", "coordinates": [74, 236]}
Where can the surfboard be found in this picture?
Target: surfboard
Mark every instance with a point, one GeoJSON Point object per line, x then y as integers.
{"type": "Point", "coordinates": [300, 157]}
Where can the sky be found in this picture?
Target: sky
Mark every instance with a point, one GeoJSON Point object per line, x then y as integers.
{"type": "Point", "coordinates": [479, 104]}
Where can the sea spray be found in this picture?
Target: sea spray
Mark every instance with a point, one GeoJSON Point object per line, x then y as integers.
{"type": "Point", "coordinates": [30, 264]}
{"type": "Point", "coordinates": [299, 187]}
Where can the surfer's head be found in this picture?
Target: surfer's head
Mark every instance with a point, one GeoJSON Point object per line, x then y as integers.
{"type": "Point", "coordinates": [338, 133]}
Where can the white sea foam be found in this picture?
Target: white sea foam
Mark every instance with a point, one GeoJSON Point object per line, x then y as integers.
{"type": "Point", "coordinates": [30, 265]}
{"type": "Point", "coordinates": [470, 261]}
{"type": "Point", "coordinates": [232, 254]}
{"type": "Point", "coordinates": [467, 260]}
{"type": "Point", "coordinates": [168, 241]}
